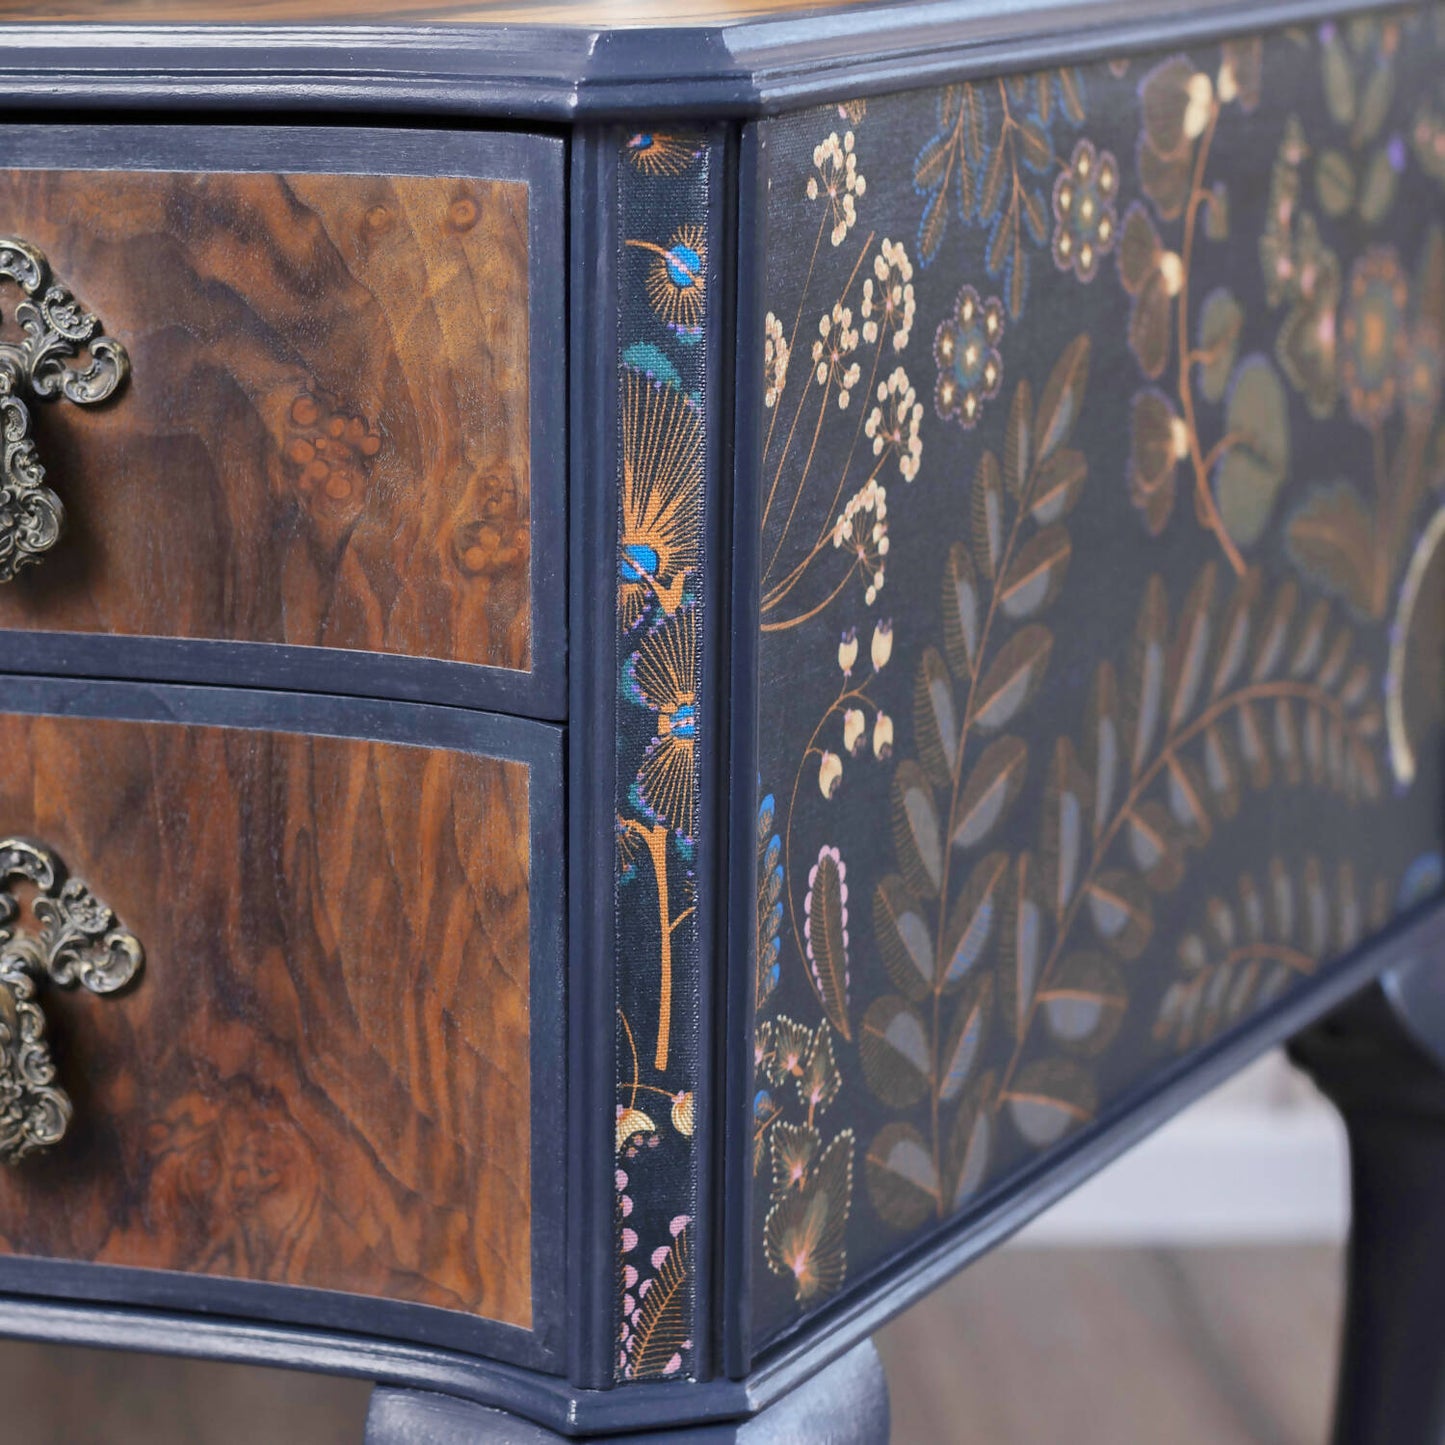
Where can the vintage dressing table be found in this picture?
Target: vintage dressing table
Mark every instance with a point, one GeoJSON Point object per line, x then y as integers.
{"type": "Point", "coordinates": [664, 664]}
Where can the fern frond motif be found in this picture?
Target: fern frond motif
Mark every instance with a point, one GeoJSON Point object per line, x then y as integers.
{"type": "Point", "coordinates": [656, 1329]}
{"type": "Point", "coordinates": [1241, 694]}
{"type": "Point", "coordinates": [1249, 948]}
{"type": "Point", "coordinates": [937, 918]}
{"type": "Point", "coordinates": [992, 161]}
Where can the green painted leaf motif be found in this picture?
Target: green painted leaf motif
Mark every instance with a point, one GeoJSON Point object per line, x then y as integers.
{"type": "Point", "coordinates": [1038, 153]}
{"type": "Point", "coordinates": [972, 920]}
{"type": "Point", "coordinates": [1070, 89]}
{"type": "Point", "coordinates": [1036, 575]}
{"type": "Point", "coordinates": [1058, 485]}
{"type": "Point", "coordinates": [962, 615]}
{"type": "Point", "coordinates": [934, 224]}
{"type": "Point", "coordinates": [1332, 668]}
{"type": "Point", "coordinates": [935, 159]}
{"type": "Point", "coordinates": [1248, 477]}
{"type": "Point", "coordinates": [1166, 151]}
{"type": "Point", "coordinates": [1084, 1004]}
{"type": "Point", "coordinates": [965, 1040]}
{"type": "Point", "coordinates": [988, 517]}
{"type": "Point", "coordinates": [1049, 1098]}
{"type": "Point", "coordinates": [1062, 401]}
{"type": "Point", "coordinates": [1378, 190]}
{"type": "Point", "coordinates": [1216, 216]}
{"type": "Point", "coordinates": [1375, 98]}
{"type": "Point", "coordinates": [990, 792]}
{"type": "Point", "coordinates": [1221, 772]}
{"type": "Point", "coordinates": [893, 1045]}
{"type": "Point", "coordinates": [1104, 747]}
{"type": "Point", "coordinates": [1254, 751]}
{"type": "Point", "coordinates": [1248, 950]}
{"type": "Point", "coordinates": [990, 198]}
{"type": "Point", "coordinates": [1339, 79]}
{"type": "Point", "coordinates": [935, 719]}
{"type": "Point", "coordinates": [902, 1179]}
{"type": "Point", "coordinates": [1220, 322]}
{"type": "Point", "coordinates": [1021, 945]}
{"type": "Point", "coordinates": [1065, 827]}
{"type": "Point", "coordinates": [1286, 741]}
{"type": "Point", "coordinates": [1155, 846]}
{"type": "Point", "coordinates": [1310, 644]}
{"type": "Point", "coordinates": [917, 837]}
{"type": "Point", "coordinates": [1335, 182]}
{"type": "Point", "coordinates": [1018, 441]}
{"type": "Point", "coordinates": [1187, 793]}
{"type": "Point", "coordinates": [1190, 654]}
{"type": "Point", "coordinates": [1147, 664]}
{"type": "Point", "coordinates": [1121, 912]}
{"type": "Point", "coordinates": [972, 1141]}
{"type": "Point", "coordinates": [1234, 634]}
{"type": "Point", "coordinates": [1153, 459]}
{"type": "Point", "coordinates": [1274, 635]}
{"type": "Point", "coordinates": [904, 938]}
{"type": "Point", "coordinates": [1012, 678]}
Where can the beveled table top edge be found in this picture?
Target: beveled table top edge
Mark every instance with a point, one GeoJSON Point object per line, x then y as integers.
{"type": "Point", "coordinates": [566, 72]}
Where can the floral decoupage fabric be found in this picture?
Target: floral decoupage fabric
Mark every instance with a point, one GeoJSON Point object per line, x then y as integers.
{"type": "Point", "coordinates": [1102, 599]}
{"type": "Point", "coordinates": [662, 398]}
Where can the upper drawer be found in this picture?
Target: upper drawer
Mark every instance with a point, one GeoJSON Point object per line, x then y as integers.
{"type": "Point", "coordinates": [343, 436]}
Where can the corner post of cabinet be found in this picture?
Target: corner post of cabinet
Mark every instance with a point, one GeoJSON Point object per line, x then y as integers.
{"type": "Point", "coordinates": [652, 268]}
{"type": "Point", "coordinates": [591, 751]}
{"type": "Point", "coordinates": [736, 1071]}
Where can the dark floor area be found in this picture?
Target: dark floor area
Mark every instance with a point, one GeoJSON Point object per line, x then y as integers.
{"type": "Point", "coordinates": [1029, 1347]}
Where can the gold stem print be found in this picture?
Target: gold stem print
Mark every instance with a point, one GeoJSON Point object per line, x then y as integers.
{"type": "Point", "coordinates": [655, 840]}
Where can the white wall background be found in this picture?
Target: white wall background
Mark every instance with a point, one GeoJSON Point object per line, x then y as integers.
{"type": "Point", "coordinates": [1261, 1159]}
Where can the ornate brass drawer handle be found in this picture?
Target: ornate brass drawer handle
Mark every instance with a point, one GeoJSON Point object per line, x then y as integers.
{"type": "Point", "coordinates": [78, 940]}
{"type": "Point", "coordinates": [62, 352]}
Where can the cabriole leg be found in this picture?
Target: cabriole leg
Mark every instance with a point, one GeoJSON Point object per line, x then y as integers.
{"type": "Point", "coordinates": [1381, 1061]}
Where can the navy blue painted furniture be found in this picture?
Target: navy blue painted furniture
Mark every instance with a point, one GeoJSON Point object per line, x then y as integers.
{"type": "Point", "coordinates": [981, 586]}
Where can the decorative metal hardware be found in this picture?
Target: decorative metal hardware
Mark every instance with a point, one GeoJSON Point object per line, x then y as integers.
{"type": "Point", "coordinates": [79, 941]}
{"type": "Point", "coordinates": [62, 352]}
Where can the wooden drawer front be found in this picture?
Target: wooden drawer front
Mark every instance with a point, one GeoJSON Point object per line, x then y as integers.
{"type": "Point", "coordinates": [324, 1076]}
{"type": "Point", "coordinates": [327, 440]}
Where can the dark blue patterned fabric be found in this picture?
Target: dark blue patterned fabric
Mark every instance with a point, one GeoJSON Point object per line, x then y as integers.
{"type": "Point", "coordinates": [662, 396]}
{"type": "Point", "coordinates": [1101, 600]}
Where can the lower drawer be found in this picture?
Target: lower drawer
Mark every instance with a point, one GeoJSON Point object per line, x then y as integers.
{"type": "Point", "coordinates": [331, 1072]}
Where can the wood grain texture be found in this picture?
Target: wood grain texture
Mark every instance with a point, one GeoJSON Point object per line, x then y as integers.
{"type": "Point", "coordinates": [613, 14]}
{"type": "Point", "coordinates": [326, 438]}
{"type": "Point", "coordinates": [322, 1076]}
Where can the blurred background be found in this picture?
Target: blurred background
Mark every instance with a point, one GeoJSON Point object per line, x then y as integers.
{"type": "Point", "coordinates": [1189, 1294]}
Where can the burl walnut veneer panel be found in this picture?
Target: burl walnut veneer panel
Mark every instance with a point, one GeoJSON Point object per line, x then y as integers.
{"type": "Point", "coordinates": [321, 1077]}
{"type": "Point", "coordinates": [325, 439]}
